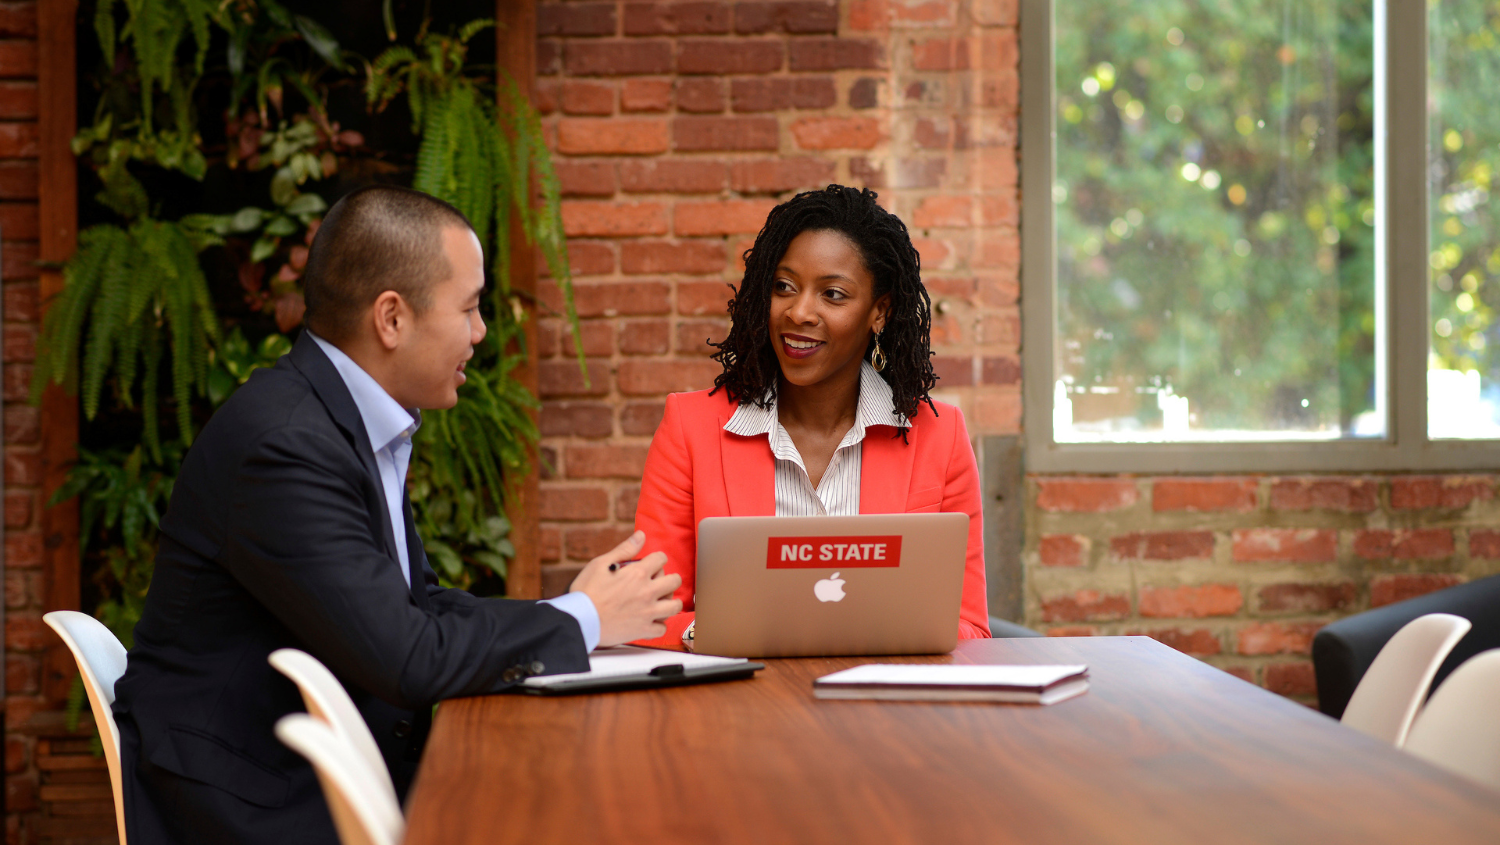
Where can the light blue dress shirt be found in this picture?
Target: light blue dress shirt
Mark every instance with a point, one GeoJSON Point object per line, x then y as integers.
{"type": "Point", "coordinates": [390, 428]}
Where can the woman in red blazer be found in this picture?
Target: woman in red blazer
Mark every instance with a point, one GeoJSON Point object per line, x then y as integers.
{"type": "Point", "coordinates": [823, 403]}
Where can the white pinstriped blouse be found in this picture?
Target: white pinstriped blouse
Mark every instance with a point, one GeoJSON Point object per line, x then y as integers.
{"type": "Point", "coordinates": [837, 494]}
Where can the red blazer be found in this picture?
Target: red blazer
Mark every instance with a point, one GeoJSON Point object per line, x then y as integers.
{"type": "Point", "coordinates": [696, 469]}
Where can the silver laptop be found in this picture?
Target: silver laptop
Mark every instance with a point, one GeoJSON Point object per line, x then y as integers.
{"type": "Point", "coordinates": [829, 585]}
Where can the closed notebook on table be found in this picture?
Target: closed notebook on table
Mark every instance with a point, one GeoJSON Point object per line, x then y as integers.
{"type": "Point", "coordinates": [630, 667]}
{"type": "Point", "coordinates": [926, 682]}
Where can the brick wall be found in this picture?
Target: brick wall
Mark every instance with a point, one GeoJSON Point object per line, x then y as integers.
{"type": "Point", "coordinates": [1242, 571]}
{"type": "Point", "coordinates": [677, 127]}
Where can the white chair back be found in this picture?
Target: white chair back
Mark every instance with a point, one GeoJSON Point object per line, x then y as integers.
{"type": "Point", "coordinates": [101, 662]}
{"type": "Point", "coordinates": [1459, 729]}
{"type": "Point", "coordinates": [362, 811]}
{"type": "Point", "coordinates": [1392, 690]}
{"type": "Point", "coordinates": [327, 700]}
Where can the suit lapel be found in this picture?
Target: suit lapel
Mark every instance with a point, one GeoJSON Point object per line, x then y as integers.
{"type": "Point", "coordinates": [749, 472]}
{"type": "Point", "coordinates": [329, 385]}
{"type": "Point", "coordinates": [416, 556]}
{"type": "Point", "coordinates": [885, 471]}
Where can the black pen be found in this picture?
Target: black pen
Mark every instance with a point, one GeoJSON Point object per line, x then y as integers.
{"type": "Point", "coordinates": [621, 565]}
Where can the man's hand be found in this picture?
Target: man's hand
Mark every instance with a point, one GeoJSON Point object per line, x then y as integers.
{"type": "Point", "coordinates": [632, 601]}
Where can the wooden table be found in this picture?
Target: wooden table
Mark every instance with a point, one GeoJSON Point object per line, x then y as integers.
{"type": "Point", "coordinates": [1162, 749]}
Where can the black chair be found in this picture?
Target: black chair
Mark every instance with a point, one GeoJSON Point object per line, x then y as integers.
{"type": "Point", "coordinates": [1343, 650]}
{"type": "Point", "coordinates": [999, 629]}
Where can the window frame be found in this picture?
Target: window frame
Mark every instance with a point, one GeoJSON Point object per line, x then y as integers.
{"type": "Point", "coordinates": [1400, 81]}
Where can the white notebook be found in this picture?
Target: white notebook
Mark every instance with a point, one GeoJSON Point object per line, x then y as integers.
{"type": "Point", "coordinates": [624, 667]}
{"type": "Point", "coordinates": [926, 682]}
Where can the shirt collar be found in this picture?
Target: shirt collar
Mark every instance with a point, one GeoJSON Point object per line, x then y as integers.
{"type": "Point", "coordinates": [384, 418]}
{"type": "Point", "coordinates": [875, 407]}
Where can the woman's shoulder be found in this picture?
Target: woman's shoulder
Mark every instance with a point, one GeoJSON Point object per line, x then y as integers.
{"type": "Point", "coordinates": [937, 416]}
{"type": "Point", "coordinates": [712, 400]}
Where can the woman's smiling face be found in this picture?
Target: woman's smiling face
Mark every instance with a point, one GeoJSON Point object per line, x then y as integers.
{"type": "Point", "coordinates": [823, 309]}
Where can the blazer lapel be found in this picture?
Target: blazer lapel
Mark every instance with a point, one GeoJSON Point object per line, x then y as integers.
{"type": "Point", "coordinates": [885, 471]}
{"type": "Point", "coordinates": [416, 556]}
{"type": "Point", "coordinates": [749, 473]}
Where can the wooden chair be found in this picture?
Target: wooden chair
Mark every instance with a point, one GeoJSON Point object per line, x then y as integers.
{"type": "Point", "coordinates": [1459, 729]}
{"type": "Point", "coordinates": [1392, 690]}
{"type": "Point", "coordinates": [101, 662]}
{"type": "Point", "coordinates": [363, 812]}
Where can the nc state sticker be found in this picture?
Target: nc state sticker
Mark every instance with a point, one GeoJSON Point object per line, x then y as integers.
{"type": "Point", "coordinates": [863, 552]}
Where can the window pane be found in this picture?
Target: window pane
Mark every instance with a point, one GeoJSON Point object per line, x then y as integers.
{"type": "Point", "coordinates": [1215, 221]}
{"type": "Point", "coordinates": [1463, 375]}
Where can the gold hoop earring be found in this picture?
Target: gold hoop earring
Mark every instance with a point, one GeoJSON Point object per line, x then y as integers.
{"type": "Point", "coordinates": [877, 358]}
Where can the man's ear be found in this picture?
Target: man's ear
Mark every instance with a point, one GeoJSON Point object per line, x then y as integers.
{"type": "Point", "coordinates": [391, 318]}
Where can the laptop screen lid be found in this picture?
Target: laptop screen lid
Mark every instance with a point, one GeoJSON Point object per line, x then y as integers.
{"type": "Point", "coordinates": [829, 585]}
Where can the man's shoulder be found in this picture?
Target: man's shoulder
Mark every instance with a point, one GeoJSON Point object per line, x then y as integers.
{"type": "Point", "coordinates": [273, 398]}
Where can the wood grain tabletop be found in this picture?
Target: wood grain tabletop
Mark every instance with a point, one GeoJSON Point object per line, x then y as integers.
{"type": "Point", "coordinates": [1162, 749]}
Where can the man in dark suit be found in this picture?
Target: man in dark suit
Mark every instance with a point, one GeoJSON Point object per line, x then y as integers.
{"type": "Point", "coordinates": [289, 527]}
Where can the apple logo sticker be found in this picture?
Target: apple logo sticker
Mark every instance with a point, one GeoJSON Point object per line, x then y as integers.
{"type": "Point", "coordinates": [830, 589]}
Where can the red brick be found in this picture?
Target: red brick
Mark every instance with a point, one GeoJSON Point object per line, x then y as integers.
{"type": "Point", "coordinates": [591, 218]}
{"type": "Point", "coordinates": [605, 461]}
{"type": "Point", "coordinates": [721, 57]}
{"type": "Point", "coordinates": [1296, 545]}
{"type": "Point", "coordinates": [1164, 545]}
{"type": "Point", "coordinates": [693, 336]}
{"type": "Point", "coordinates": [587, 98]}
{"type": "Point", "coordinates": [625, 502]}
{"type": "Point", "coordinates": [676, 18]}
{"type": "Point", "coordinates": [1403, 544]}
{"type": "Point", "coordinates": [833, 54]}
{"type": "Point", "coordinates": [864, 93]}
{"type": "Point", "coordinates": [646, 95]}
{"type": "Point", "coordinates": [1276, 637]}
{"type": "Point", "coordinates": [1389, 589]}
{"type": "Point", "coordinates": [703, 298]}
{"type": "Point", "coordinates": [706, 134]}
{"type": "Point", "coordinates": [613, 299]}
{"type": "Point", "coordinates": [597, 337]}
{"type": "Point", "coordinates": [869, 15]}
{"type": "Point", "coordinates": [24, 631]}
{"type": "Point", "coordinates": [615, 136]}
{"type": "Point", "coordinates": [777, 175]}
{"type": "Point", "coordinates": [792, 17]}
{"type": "Point", "coordinates": [1484, 542]}
{"type": "Point", "coordinates": [999, 210]}
{"type": "Point", "coordinates": [934, 251]}
{"type": "Point", "coordinates": [779, 93]}
{"type": "Point", "coordinates": [20, 343]}
{"type": "Point", "coordinates": [836, 133]}
{"type": "Point", "coordinates": [999, 411]}
{"type": "Point", "coordinates": [1085, 606]}
{"type": "Point", "coordinates": [687, 256]}
{"type": "Point", "coordinates": [585, 178]}
{"type": "Point", "coordinates": [953, 370]}
{"type": "Point", "coordinates": [550, 544]}
{"type": "Point", "coordinates": [940, 54]}
{"type": "Point", "coordinates": [1003, 369]}
{"type": "Point", "coordinates": [589, 543]}
{"type": "Point", "coordinates": [676, 176]}
{"type": "Point", "coordinates": [18, 59]}
{"type": "Point", "coordinates": [996, 12]}
{"type": "Point", "coordinates": [999, 290]}
{"type": "Point", "coordinates": [23, 550]}
{"type": "Point", "coordinates": [16, 754]}
{"type": "Point", "coordinates": [17, 380]}
{"type": "Point", "coordinates": [1244, 673]}
{"type": "Point", "coordinates": [23, 424]}
{"type": "Point", "coordinates": [1080, 495]}
{"type": "Point", "coordinates": [563, 378]}
{"type": "Point", "coordinates": [1073, 631]}
{"type": "Point", "coordinates": [1191, 601]}
{"type": "Point", "coordinates": [1063, 550]}
{"type": "Point", "coordinates": [645, 337]}
{"type": "Point", "coordinates": [1349, 495]}
{"type": "Point", "coordinates": [641, 418]}
{"type": "Point", "coordinates": [548, 57]}
{"type": "Point", "coordinates": [19, 140]}
{"type": "Point", "coordinates": [22, 469]}
{"type": "Point", "coordinates": [1292, 679]}
{"type": "Point", "coordinates": [1199, 642]}
{"type": "Point", "coordinates": [577, 419]}
{"type": "Point", "coordinates": [590, 258]}
{"type": "Point", "coordinates": [649, 378]}
{"type": "Point", "coordinates": [21, 790]}
{"type": "Point", "coordinates": [998, 50]}
{"type": "Point", "coordinates": [18, 100]}
{"type": "Point", "coordinates": [574, 504]}
{"type": "Point", "coordinates": [18, 180]}
{"type": "Point", "coordinates": [1203, 494]}
{"type": "Point", "coordinates": [18, 20]}
{"type": "Point", "coordinates": [720, 217]}
{"type": "Point", "coordinates": [949, 211]}
{"type": "Point", "coordinates": [701, 96]}
{"type": "Point", "coordinates": [575, 19]}
{"type": "Point", "coordinates": [924, 13]}
{"type": "Point", "coordinates": [617, 58]}
{"type": "Point", "coordinates": [1409, 492]}
{"type": "Point", "coordinates": [1307, 598]}
{"type": "Point", "coordinates": [22, 675]}
{"type": "Point", "coordinates": [18, 507]}
{"type": "Point", "coordinates": [996, 168]}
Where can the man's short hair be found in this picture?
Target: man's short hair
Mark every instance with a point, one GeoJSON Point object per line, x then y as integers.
{"type": "Point", "coordinates": [373, 240]}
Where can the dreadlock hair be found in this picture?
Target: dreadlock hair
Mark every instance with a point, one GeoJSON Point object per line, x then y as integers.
{"type": "Point", "coordinates": [751, 371]}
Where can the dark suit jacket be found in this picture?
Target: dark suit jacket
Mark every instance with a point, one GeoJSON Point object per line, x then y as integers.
{"type": "Point", "coordinates": [277, 535]}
